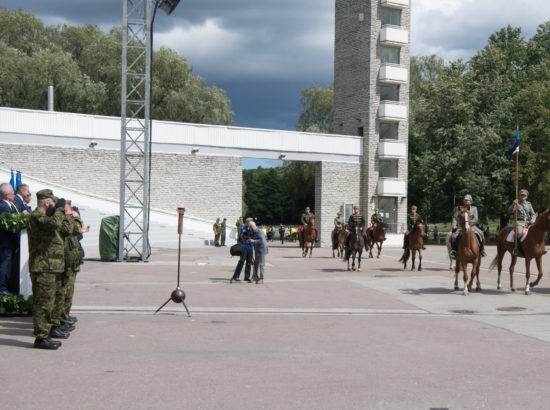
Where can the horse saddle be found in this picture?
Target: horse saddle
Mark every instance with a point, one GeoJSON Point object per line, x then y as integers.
{"type": "Point", "coordinates": [512, 235]}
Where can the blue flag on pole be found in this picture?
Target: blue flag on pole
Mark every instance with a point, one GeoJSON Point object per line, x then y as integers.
{"type": "Point", "coordinates": [18, 179]}
{"type": "Point", "coordinates": [515, 146]}
{"type": "Point", "coordinates": [12, 180]}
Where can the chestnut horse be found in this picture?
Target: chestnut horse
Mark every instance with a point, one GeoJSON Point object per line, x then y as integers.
{"type": "Point", "coordinates": [308, 237]}
{"type": "Point", "coordinates": [377, 236]}
{"type": "Point", "coordinates": [356, 245]}
{"type": "Point", "coordinates": [532, 247]}
{"type": "Point", "coordinates": [416, 240]}
{"type": "Point", "coordinates": [468, 252]}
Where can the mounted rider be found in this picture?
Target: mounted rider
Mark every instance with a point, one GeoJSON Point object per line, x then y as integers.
{"type": "Point", "coordinates": [356, 219]}
{"type": "Point", "coordinates": [305, 221]}
{"type": "Point", "coordinates": [339, 222]}
{"type": "Point", "coordinates": [458, 231]}
{"type": "Point", "coordinates": [526, 213]}
{"type": "Point", "coordinates": [375, 219]}
{"type": "Point", "coordinates": [412, 219]}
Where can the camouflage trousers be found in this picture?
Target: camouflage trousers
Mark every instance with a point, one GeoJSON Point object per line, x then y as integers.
{"type": "Point", "coordinates": [44, 285]}
{"type": "Point", "coordinates": [69, 292]}
{"type": "Point", "coordinates": [63, 297]}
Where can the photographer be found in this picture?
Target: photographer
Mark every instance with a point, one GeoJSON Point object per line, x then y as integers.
{"type": "Point", "coordinates": [247, 252]}
{"type": "Point", "coordinates": [260, 250]}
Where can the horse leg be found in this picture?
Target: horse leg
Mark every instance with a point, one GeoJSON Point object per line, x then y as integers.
{"type": "Point", "coordinates": [353, 262]}
{"type": "Point", "coordinates": [371, 244]}
{"type": "Point", "coordinates": [478, 284]}
{"type": "Point", "coordinates": [349, 257]}
{"type": "Point", "coordinates": [464, 267]}
{"type": "Point", "coordinates": [538, 259]}
{"type": "Point", "coordinates": [527, 276]}
{"type": "Point", "coordinates": [499, 264]}
{"type": "Point", "coordinates": [413, 259]}
{"type": "Point", "coordinates": [359, 260]}
{"type": "Point", "coordinates": [512, 265]}
{"type": "Point", "coordinates": [379, 249]}
{"type": "Point", "coordinates": [456, 278]}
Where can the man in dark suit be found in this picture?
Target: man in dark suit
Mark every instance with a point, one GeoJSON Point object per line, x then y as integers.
{"type": "Point", "coordinates": [9, 241]}
{"type": "Point", "coordinates": [22, 198]}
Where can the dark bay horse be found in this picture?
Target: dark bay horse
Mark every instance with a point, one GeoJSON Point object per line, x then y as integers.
{"type": "Point", "coordinates": [468, 252]}
{"type": "Point", "coordinates": [377, 236]}
{"type": "Point", "coordinates": [416, 240]}
{"type": "Point", "coordinates": [337, 244]}
{"type": "Point", "coordinates": [307, 239]}
{"type": "Point", "coordinates": [532, 247]}
{"type": "Point", "coordinates": [356, 245]}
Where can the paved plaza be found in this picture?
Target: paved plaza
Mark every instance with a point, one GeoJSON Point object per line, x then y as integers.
{"type": "Point", "coordinates": [314, 336]}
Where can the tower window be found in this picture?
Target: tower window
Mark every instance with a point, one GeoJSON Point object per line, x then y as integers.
{"type": "Point", "coordinates": [388, 168]}
{"type": "Point", "coordinates": [389, 92]}
{"type": "Point", "coordinates": [390, 16]}
{"type": "Point", "coordinates": [389, 55]}
{"type": "Point", "coordinates": [389, 130]}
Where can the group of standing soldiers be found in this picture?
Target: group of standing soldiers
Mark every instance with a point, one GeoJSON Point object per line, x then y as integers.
{"type": "Point", "coordinates": [54, 229]}
{"type": "Point", "coordinates": [219, 232]}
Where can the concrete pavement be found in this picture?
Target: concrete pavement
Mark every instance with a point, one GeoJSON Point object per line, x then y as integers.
{"type": "Point", "coordinates": [314, 336]}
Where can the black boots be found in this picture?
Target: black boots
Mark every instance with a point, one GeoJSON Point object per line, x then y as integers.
{"type": "Point", "coordinates": [46, 344]}
{"type": "Point", "coordinates": [57, 333]}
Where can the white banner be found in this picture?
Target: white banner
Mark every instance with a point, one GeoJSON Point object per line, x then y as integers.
{"type": "Point", "coordinates": [25, 286]}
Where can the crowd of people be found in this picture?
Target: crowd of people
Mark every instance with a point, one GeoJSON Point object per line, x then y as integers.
{"type": "Point", "coordinates": [54, 230]}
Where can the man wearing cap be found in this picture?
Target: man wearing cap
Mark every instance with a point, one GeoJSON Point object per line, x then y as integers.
{"type": "Point", "coordinates": [356, 219]}
{"type": "Point", "coordinates": [223, 226]}
{"type": "Point", "coordinates": [474, 220]}
{"type": "Point", "coordinates": [339, 222]}
{"type": "Point", "coordinates": [412, 220]}
{"type": "Point", "coordinates": [526, 213]}
{"type": "Point", "coordinates": [217, 228]}
{"type": "Point", "coordinates": [305, 221]}
{"type": "Point", "coordinates": [46, 227]}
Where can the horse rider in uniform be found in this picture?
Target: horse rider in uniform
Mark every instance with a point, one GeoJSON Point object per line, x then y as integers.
{"type": "Point", "coordinates": [339, 222]}
{"type": "Point", "coordinates": [356, 219]}
{"type": "Point", "coordinates": [458, 232]}
{"type": "Point", "coordinates": [526, 213]}
{"type": "Point", "coordinates": [375, 219]}
{"type": "Point", "coordinates": [305, 221]}
{"type": "Point", "coordinates": [412, 219]}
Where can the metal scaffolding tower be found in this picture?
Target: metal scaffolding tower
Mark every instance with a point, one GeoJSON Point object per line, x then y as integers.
{"type": "Point", "coordinates": [135, 130]}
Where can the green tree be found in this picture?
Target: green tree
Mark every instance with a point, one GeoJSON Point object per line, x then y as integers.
{"type": "Point", "coordinates": [317, 112]}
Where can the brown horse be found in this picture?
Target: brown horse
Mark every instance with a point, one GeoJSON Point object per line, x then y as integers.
{"type": "Point", "coordinates": [468, 252]}
{"type": "Point", "coordinates": [307, 240]}
{"type": "Point", "coordinates": [416, 240]}
{"type": "Point", "coordinates": [355, 247]}
{"type": "Point", "coordinates": [377, 236]}
{"type": "Point", "coordinates": [336, 244]}
{"type": "Point", "coordinates": [532, 247]}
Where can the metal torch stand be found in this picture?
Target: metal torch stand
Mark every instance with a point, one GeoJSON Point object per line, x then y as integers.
{"type": "Point", "coordinates": [178, 295]}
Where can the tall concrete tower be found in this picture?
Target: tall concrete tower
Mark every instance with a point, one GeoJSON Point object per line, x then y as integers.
{"type": "Point", "coordinates": [371, 99]}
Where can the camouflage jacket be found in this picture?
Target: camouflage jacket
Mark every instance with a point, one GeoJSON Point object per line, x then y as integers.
{"type": "Point", "coordinates": [376, 219]}
{"type": "Point", "coordinates": [74, 253]}
{"type": "Point", "coordinates": [46, 239]}
{"type": "Point", "coordinates": [412, 219]}
{"type": "Point", "coordinates": [305, 218]}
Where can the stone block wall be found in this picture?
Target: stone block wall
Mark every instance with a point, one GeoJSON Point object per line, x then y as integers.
{"type": "Point", "coordinates": [209, 186]}
{"type": "Point", "coordinates": [336, 184]}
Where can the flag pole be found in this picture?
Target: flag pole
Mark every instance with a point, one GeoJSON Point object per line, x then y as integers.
{"type": "Point", "coordinates": [517, 197]}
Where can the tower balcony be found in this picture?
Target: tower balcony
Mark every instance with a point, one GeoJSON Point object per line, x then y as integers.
{"type": "Point", "coordinates": [392, 149]}
{"type": "Point", "coordinates": [391, 187]}
{"type": "Point", "coordinates": [393, 74]}
{"type": "Point", "coordinates": [392, 111]}
{"type": "Point", "coordinates": [394, 36]}
{"type": "Point", "coordinates": [395, 4]}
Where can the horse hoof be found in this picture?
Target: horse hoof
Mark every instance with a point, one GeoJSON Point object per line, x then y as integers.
{"type": "Point", "coordinates": [512, 290]}
{"type": "Point", "coordinates": [532, 285]}
{"type": "Point", "coordinates": [465, 293]}
{"type": "Point", "coordinates": [419, 269]}
{"type": "Point", "coordinates": [499, 287]}
{"type": "Point", "coordinates": [527, 292]}
{"type": "Point", "coordinates": [457, 288]}
{"type": "Point", "coordinates": [478, 289]}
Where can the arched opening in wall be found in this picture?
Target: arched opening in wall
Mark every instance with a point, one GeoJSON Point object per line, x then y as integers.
{"type": "Point", "coordinates": [277, 192]}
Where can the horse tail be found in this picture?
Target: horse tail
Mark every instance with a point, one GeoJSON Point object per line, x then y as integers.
{"type": "Point", "coordinates": [405, 256]}
{"type": "Point", "coordinates": [494, 263]}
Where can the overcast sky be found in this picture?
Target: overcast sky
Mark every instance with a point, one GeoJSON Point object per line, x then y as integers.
{"type": "Point", "coordinates": [263, 52]}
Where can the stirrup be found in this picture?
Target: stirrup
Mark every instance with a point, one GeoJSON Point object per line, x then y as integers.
{"type": "Point", "coordinates": [453, 254]}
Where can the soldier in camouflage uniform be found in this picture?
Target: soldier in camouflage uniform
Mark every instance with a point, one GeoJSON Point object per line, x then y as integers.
{"type": "Point", "coordinates": [458, 232]}
{"type": "Point", "coordinates": [526, 213]}
{"type": "Point", "coordinates": [217, 228]}
{"type": "Point", "coordinates": [73, 259]}
{"type": "Point", "coordinates": [412, 219]}
{"type": "Point", "coordinates": [46, 226]}
{"type": "Point", "coordinates": [223, 227]}
{"type": "Point", "coordinates": [375, 219]}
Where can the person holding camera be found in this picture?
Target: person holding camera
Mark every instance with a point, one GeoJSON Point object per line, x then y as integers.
{"type": "Point", "coordinates": [260, 250]}
{"type": "Point", "coordinates": [247, 248]}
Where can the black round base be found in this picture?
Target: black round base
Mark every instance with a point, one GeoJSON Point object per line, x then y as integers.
{"type": "Point", "coordinates": [178, 296]}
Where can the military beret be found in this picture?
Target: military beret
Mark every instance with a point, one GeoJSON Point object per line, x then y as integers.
{"type": "Point", "coordinates": [45, 194]}
{"type": "Point", "coordinates": [524, 192]}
